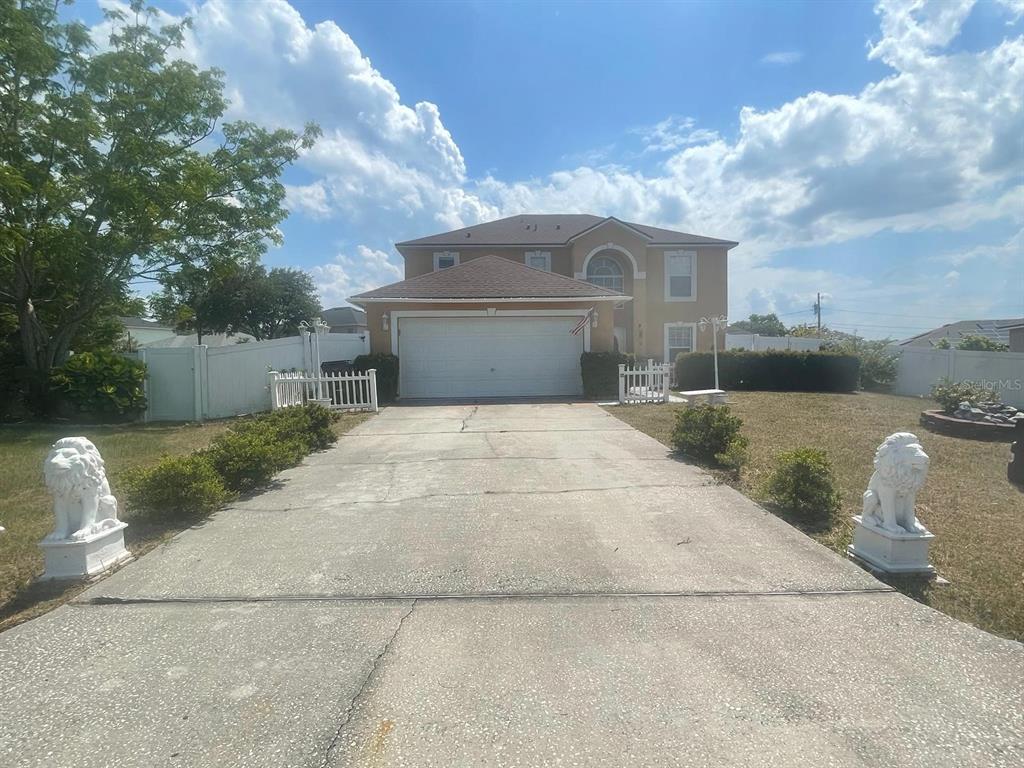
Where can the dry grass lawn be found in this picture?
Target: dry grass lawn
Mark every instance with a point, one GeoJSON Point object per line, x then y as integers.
{"type": "Point", "coordinates": [25, 506]}
{"type": "Point", "coordinates": [976, 514]}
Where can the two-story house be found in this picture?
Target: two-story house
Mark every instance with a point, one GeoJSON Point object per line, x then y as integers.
{"type": "Point", "coordinates": [507, 307]}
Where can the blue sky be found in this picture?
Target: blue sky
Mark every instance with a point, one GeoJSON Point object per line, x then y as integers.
{"type": "Point", "coordinates": [874, 153]}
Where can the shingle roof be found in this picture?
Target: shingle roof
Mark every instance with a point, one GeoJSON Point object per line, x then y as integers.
{"type": "Point", "coordinates": [488, 277]}
{"type": "Point", "coordinates": [997, 330]}
{"type": "Point", "coordinates": [343, 316]}
{"type": "Point", "coordinates": [552, 229]}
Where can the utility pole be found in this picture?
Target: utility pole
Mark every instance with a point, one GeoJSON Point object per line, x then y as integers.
{"type": "Point", "coordinates": [817, 311]}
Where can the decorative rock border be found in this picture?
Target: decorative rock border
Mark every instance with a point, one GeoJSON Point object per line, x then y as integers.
{"type": "Point", "coordinates": [940, 422]}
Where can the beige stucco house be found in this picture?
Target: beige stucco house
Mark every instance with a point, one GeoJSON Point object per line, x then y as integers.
{"type": "Point", "coordinates": [507, 307]}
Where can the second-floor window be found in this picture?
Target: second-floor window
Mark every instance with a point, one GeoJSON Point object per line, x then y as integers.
{"type": "Point", "coordinates": [679, 275]}
{"type": "Point", "coordinates": [606, 272]}
{"type": "Point", "coordinates": [445, 259]}
{"type": "Point", "coordinates": [539, 260]}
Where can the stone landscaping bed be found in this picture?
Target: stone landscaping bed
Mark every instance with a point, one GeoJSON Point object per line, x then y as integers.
{"type": "Point", "coordinates": [976, 514]}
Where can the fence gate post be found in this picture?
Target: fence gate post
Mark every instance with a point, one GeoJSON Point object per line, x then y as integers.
{"type": "Point", "coordinates": [622, 383]}
{"type": "Point", "coordinates": [275, 403]}
{"type": "Point", "coordinates": [372, 373]}
{"type": "Point", "coordinates": [145, 385]}
{"type": "Point", "coordinates": [665, 367]}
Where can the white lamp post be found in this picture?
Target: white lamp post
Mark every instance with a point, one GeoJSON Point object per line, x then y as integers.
{"type": "Point", "coordinates": [716, 322]}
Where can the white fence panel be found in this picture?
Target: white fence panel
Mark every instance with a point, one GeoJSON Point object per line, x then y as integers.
{"type": "Point", "coordinates": [921, 368]}
{"type": "Point", "coordinates": [645, 384]}
{"type": "Point", "coordinates": [757, 343]}
{"type": "Point", "coordinates": [193, 383]}
{"type": "Point", "coordinates": [337, 391]}
{"type": "Point", "coordinates": [170, 384]}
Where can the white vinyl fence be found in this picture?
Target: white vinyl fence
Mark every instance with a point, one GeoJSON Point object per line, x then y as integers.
{"type": "Point", "coordinates": [757, 343]}
{"type": "Point", "coordinates": [920, 368]}
{"type": "Point", "coordinates": [644, 384]}
{"type": "Point", "coordinates": [200, 382]}
{"type": "Point", "coordinates": [337, 391]}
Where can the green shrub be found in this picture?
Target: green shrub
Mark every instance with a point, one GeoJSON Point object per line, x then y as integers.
{"type": "Point", "coordinates": [250, 453]}
{"type": "Point", "coordinates": [386, 366]}
{"type": "Point", "coordinates": [804, 485]}
{"type": "Point", "coordinates": [101, 384]}
{"type": "Point", "coordinates": [176, 486]}
{"type": "Point", "coordinates": [878, 364]}
{"type": "Point", "coordinates": [949, 394]}
{"type": "Point", "coordinates": [780, 371]}
{"type": "Point", "coordinates": [309, 425]}
{"type": "Point", "coordinates": [979, 343]}
{"type": "Point", "coordinates": [736, 454]}
{"type": "Point", "coordinates": [709, 433]}
{"type": "Point", "coordinates": [600, 371]}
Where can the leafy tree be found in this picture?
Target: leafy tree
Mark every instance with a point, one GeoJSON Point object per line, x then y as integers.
{"type": "Point", "coordinates": [827, 333]}
{"type": "Point", "coordinates": [765, 325]}
{"type": "Point", "coordinates": [275, 302]}
{"type": "Point", "coordinates": [980, 343]}
{"type": "Point", "coordinates": [879, 365]}
{"type": "Point", "coordinates": [203, 300]}
{"type": "Point", "coordinates": [112, 169]}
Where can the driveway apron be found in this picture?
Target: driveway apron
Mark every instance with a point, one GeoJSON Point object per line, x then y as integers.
{"type": "Point", "coordinates": [502, 585]}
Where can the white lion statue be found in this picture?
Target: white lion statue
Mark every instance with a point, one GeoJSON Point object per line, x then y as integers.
{"type": "Point", "coordinates": [75, 475]}
{"type": "Point", "coordinates": [901, 466]}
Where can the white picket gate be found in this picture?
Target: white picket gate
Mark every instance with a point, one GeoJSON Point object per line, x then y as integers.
{"type": "Point", "coordinates": [337, 391]}
{"type": "Point", "coordinates": [644, 384]}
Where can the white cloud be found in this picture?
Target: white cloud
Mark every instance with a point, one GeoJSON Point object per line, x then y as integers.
{"type": "Point", "coordinates": [934, 143]}
{"type": "Point", "coordinates": [673, 133]}
{"type": "Point", "coordinates": [782, 58]}
{"type": "Point", "coordinates": [349, 275]}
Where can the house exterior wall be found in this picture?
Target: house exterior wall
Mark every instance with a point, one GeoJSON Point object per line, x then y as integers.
{"type": "Point", "coordinates": [1017, 339]}
{"type": "Point", "coordinates": [644, 317]}
{"type": "Point", "coordinates": [380, 339]}
{"type": "Point", "coordinates": [419, 260]}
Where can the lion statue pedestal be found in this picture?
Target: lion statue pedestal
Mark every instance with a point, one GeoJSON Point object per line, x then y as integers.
{"type": "Point", "coordinates": [887, 535]}
{"type": "Point", "coordinates": [87, 538]}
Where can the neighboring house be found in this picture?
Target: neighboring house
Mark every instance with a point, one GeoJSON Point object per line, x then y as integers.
{"type": "Point", "coordinates": [345, 319]}
{"type": "Point", "coordinates": [209, 340]}
{"type": "Point", "coordinates": [489, 310]}
{"type": "Point", "coordinates": [1015, 334]}
{"type": "Point", "coordinates": [997, 330]}
{"type": "Point", "coordinates": [138, 330]}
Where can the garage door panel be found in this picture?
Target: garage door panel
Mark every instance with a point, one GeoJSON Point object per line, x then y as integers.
{"type": "Point", "coordinates": [489, 357]}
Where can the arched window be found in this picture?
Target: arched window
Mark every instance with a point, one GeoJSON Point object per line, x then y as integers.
{"type": "Point", "coordinates": [606, 272]}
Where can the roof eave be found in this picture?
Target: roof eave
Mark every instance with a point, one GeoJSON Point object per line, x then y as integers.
{"type": "Point", "coordinates": [361, 300]}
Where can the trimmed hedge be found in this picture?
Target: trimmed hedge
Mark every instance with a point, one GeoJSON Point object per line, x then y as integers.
{"type": "Point", "coordinates": [241, 459]}
{"type": "Point", "coordinates": [387, 373]}
{"type": "Point", "coordinates": [600, 371]}
{"type": "Point", "coordinates": [781, 371]}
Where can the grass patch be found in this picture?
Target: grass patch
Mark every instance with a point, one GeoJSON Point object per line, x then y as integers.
{"type": "Point", "coordinates": [967, 502]}
{"type": "Point", "coordinates": [26, 511]}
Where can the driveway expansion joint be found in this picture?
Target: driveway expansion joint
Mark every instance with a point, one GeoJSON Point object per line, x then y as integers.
{"type": "Point", "coordinates": [346, 716]}
{"type": "Point", "coordinates": [106, 600]}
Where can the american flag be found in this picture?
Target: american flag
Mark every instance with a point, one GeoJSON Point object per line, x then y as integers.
{"type": "Point", "coordinates": [582, 323]}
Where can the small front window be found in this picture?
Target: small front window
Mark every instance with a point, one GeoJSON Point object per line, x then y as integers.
{"type": "Point", "coordinates": [679, 275]}
{"type": "Point", "coordinates": [680, 339]}
{"type": "Point", "coordinates": [605, 272]}
{"type": "Point", "coordinates": [539, 260]}
{"type": "Point", "coordinates": [445, 259]}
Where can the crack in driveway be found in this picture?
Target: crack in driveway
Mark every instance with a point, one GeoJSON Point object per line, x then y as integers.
{"type": "Point", "coordinates": [346, 716]}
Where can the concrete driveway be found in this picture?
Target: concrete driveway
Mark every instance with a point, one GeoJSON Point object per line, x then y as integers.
{"type": "Point", "coordinates": [502, 585]}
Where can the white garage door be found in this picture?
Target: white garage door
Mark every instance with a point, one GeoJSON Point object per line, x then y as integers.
{"type": "Point", "coordinates": [489, 356]}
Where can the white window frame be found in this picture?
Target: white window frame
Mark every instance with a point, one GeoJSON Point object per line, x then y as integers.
{"type": "Point", "coordinates": [438, 255]}
{"type": "Point", "coordinates": [693, 339]}
{"type": "Point", "coordinates": [693, 276]}
{"type": "Point", "coordinates": [621, 276]}
{"type": "Point", "coordinates": [546, 255]}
